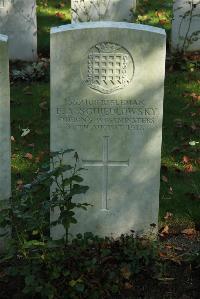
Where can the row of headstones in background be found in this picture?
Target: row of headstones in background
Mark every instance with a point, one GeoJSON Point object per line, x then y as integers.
{"type": "Point", "coordinates": [5, 152]}
{"type": "Point", "coordinates": [107, 103]}
{"type": "Point", "coordinates": [103, 10]}
{"type": "Point", "coordinates": [18, 21]}
{"type": "Point", "coordinates": [186, 26]}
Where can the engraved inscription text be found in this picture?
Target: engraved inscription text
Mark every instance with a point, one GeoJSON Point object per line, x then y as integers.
{"type": "Point", "coordinates": [106, 114]}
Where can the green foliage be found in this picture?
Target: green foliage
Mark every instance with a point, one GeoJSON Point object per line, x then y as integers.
{"type": "Point", "coordinates": [194, 214]}
{"type": "Point", "coordinates": [44, 268]}
{"type": "Point", "coordinates": [29, 211]}
{"type": "Point", "coordinates": [89, 267]}
{"type": "Point", "coordinates": [50, 13]}
{"type": "Point", "coordinates": [31, 250]}
{"type": "Point", "coordinates": [193, 259]}
{"type": "Point", "coordinates": [65, 188]}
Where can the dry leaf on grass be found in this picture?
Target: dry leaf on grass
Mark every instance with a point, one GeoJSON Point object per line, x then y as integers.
{"type": "Point", "coordinates": [189, 231]}
{"type": "Point", "coordinates": [164, 231]}
{"type": "Point", "coordinates": [29, 156]}
{"type": "Point", "coordinates": [164, 179]}
{"type": "Point", "coordinates": [168, 216]}
{"type": "Point", "coordinates": [186, 159]}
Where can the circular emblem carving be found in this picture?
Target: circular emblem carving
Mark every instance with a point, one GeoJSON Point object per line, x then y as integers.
{"type": "Point", "coordinates": [110, 67]}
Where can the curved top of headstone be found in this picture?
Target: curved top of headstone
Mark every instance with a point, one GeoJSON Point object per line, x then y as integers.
{"type": "Point", "coordinates": [107, 24]}
{"type": "Point", "coordinates": [107, 102]}
{"type": "Point", "coordinates": [3, 38]}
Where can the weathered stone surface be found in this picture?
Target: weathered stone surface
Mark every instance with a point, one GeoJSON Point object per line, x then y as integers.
{"type": "Point", "coordinates": [18, 21]}
{"type": "Point", "coordinates": [186, 26]}
{"type": "Point", "coordinates": [5, 171]}
{"type": "Point", "coordinates": [104, 10]}
{"type": "Point", "coordinates": [107, 103]}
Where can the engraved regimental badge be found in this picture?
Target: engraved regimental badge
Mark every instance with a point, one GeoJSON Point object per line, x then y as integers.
{"type": "Point", "coordinates": [110, 68]}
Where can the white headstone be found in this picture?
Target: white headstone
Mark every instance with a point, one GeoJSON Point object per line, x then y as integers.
{"type": "Point", "coordinates": [18, 21]}
{"type": "Point", "coordinates": [186, 26]}
{"type": "Point", "coordinates": [5, 170]}
{"type": "Point", "coordinates": [107, 103]}
{"type": "Point", "coordinates": [104, 10]}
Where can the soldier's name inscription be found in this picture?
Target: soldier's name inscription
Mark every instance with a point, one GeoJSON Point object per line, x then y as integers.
{"type": "Point", "coordinates": [106, 114]}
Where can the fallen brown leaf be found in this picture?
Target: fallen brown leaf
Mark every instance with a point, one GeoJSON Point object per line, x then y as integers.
{"type": "Point", "coordinates": [193, 95]}
{"type": "Point", "coordinates": [163, 21]}
{"type": "Point", "coordinates": [188, 168]}
{"type": "Point", "coordinates": [125, 272]}
{"type": "Point", "coordinates": [170, 191]}
{"type": "Point", "coordinates": [40, 157]}
{"type": "Point", "coordinates": [60, 15]}
{"type": "Point", "coordinates": [128, 286]}
{"type": "Point", "coordinates": [164, 231]}
{"type": "Point", "coordinates": [168, 246]}
{"type": "Point", "coordinates": [194, 127]}
{"type": "Point", "coordinates": [168, 216]}
{"type": "Point", "coordinates": [164, 179]}
{"type": "Point", "coordinates": [189, 231]}
{"type": "Point", "coordinates": [186, 159]}
{"type": "Point", "coordinates": [31, 145]}
{"type": "Point", "coordinates": [43, 105]}
{"type": "Point", "coordinates": [19, 184]}
{"type": "Point", "coordinates": [29, 156]}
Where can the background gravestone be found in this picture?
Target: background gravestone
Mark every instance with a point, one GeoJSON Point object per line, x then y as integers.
{"type": "Point", "coordinates": [5, 171]}
{"type": "Point", "coordinates": [186, 26]}
{"type": "Point", "coordinates": [95, 10]}
{"type": "Point", "coordinates": [107, 104]}
{"type": "Point", "coordinates": [18, 21]}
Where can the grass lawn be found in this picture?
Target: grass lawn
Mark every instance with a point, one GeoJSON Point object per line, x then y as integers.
{"type": "Point", "coordinates": [51, 13]}
{"type": "Point", "coordinates": [180, 175]}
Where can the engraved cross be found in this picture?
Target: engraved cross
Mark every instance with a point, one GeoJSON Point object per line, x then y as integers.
{"type": "Point", "coordinates": [105, 163]}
